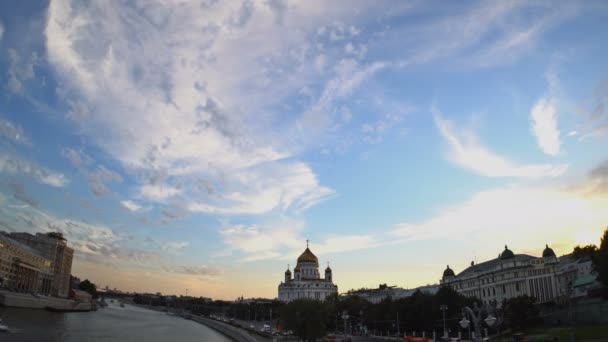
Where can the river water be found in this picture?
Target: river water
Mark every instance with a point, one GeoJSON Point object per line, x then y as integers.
{"type": "Point", "coordinates": [113, 323]}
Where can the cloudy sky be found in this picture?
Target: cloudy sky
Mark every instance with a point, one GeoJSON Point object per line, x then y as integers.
{"type": "Point", "coordinates": [197, 145]}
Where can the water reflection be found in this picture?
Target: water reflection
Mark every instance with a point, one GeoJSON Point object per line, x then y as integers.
{"type": "Point", "coordinates": [109, 324]}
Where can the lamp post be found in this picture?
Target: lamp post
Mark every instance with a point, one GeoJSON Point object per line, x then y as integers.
{"type": "Point", "coordinates": [345, 318]}
{"type": "Point", "coordinates": [464, 323]}
{"type": "Point", "coordinates": [443, 308]}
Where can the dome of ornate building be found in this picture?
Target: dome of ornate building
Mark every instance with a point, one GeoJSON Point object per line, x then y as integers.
{"type": "Point", "coordinates": [308, 256]}
{"type": "Point", "coordinates": [548, 252]}
{"type": "Point", "coordinates": [448, 272]}
{"type": "Point", "coordinates": [507, 254]}
{"type": "Point", "coordinates": [306, 281]}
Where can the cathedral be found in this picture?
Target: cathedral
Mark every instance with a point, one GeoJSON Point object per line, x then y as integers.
{"type": "Point", "coordinates": [306, 281]}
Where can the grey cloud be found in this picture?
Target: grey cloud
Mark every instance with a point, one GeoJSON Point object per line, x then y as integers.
{"type": "Point", "coordinates": [98, 178]}
{"type": "Point", "coordinates": [279, 7]}
{"type": "Point", "coordinates": [20, 193]}
{"type": "Point", "coordinates": [197, 270]}
{"type": "Point", "coordinates": [240, 17]}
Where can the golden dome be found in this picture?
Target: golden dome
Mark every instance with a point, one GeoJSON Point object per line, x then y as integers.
{"type": "Point", "coordinates": [297, 269]}
{"type": "Point", "coordinates": [307, 256]}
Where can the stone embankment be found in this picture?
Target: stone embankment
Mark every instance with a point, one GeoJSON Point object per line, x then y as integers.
{"type": "Point", "coordinates": [234, 333]}
{"type": "Point", "coordinates": [32, 301]}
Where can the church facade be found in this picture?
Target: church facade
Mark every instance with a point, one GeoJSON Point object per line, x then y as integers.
{"type": "Point", "coordinates": [306, 282]}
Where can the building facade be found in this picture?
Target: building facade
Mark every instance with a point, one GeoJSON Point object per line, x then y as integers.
{"type": "Point", "coordinates": [383, 292]}
{"type": "Point", "coordinates": [509, 275]}
{"type": "Point", "coordinates": [307, 282]}
{"type": "Point", "coordinates": [52, 246]}
{"type": "Point", "coordinates": [24, 269]}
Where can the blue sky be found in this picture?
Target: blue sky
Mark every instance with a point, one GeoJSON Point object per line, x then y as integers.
{"type": "Point", "coordinates": [199, 144]}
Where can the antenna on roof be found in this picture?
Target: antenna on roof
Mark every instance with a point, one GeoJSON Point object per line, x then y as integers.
{"type": "Point", "coordinates": [306, 243]}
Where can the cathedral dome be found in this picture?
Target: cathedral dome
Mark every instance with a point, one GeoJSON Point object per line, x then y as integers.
{"type": "Point", "coordinates": [328, 269]}
{"type": "Point", "coordinates": [307, 256]}
{"type": "Point", "coordinates": [548, 252]}
{"type": "Point", "coordinates": [288, 272]}
{"type": "Point", "coordinates": [448, 272]}
{"type": "Point", "coordinates": [507, 253]}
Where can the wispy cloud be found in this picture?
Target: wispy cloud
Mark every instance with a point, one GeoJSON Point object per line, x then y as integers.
{"type": "Point", "coordinates": [509, 214]}
{"type": "Point", "coordinates": [260, 190]}
{"type": "Point", "coordinates": [20, 71]}
{"type": "Point", "coordinates": [544, 115]}
{"type": "Point", "coordinates": [467, 152]}
{"type": "Point", "coordinates": [544, 125]}
{"type": "Point", "coordinates": [594, 112]}
{"type": "Point", "coordinates": [131, 205]}
{"type": "Point", "coordinates": [13, 132]}
{"type": "Point", "coordinates": [17, 166]}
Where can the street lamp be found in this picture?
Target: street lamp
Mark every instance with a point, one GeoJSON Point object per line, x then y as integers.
{"type": "Point", "coordinates": [345, 318]}
{"type": "Point", "coordinates": [444, 308]}
{"type": "Point", "coordinates": [465, 323]}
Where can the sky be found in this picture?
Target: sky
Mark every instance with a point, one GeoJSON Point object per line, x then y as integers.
{"type": "Point", "coordinates": [196, 145]}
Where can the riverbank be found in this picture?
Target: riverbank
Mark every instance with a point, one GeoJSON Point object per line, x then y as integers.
{"type": "Point", "coordinates": [32, 301]}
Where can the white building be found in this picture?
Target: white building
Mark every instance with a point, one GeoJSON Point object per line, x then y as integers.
{"type": "Point", "coordinates": [509, 275]}
{"type": "Point", "coordinates": [306, 281]}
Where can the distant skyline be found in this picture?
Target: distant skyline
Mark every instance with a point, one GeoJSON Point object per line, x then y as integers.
{"type": "Point", "coordinates": [198, 145]}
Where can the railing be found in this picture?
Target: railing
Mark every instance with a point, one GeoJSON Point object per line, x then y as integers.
{"type": "Point", "coordinates": [230, 331]}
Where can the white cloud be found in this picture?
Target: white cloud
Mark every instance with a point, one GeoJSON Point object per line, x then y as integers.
{"type": "Point", "coordinates": [13, 132]}
{"type": "Point", "coordinates": [184, 92]}
{"type": "Point", "coordinates": [283, 240]}
{"type": "Point", "coordinates": [158, 193]}
{"type": "Point", "coordinates": [20, 71]}
{"type": "Point", "coordinates": [42, 175]}
{"type": "Point", "coordinates": [175, 246]}
{"type": "Point", "coordinates": [544, 125]}
{"type": "Point", "coordinates": [198, 106]}
{"type": "Point", "coordinates": [484, 34]}
{"type": "Point", "coordinates": [510, 215]}
{"type": "Point", "coordinates": [260, 190]}
{"type": "Point", "coordinates": [466, 152]}
{"type": "Point", "coordinates": [131, 205]}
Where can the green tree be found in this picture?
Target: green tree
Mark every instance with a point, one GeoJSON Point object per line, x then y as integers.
{"type": "Point", "coordinates": [89, 287]}
{"type": "Point", "coordinates": [520, 312]}
{"type": "Point", "coordinates": [307, 318]}
{"type": "Point", "coordinates": [601, 259]}
{"type": "Point", "coordinates": [584, 252]}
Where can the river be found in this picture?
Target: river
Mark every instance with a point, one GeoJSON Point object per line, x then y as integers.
{"type": "Point", "coordinates": [112, 323]}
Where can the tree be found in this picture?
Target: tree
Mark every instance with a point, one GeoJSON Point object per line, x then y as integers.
{"type": "Point", "coordinates": [585, 252]}
{"type": "Point", "coordinates": [89, 287]}
{"type": "Point", "coordinates": [601, 259]}
{"type": "Point", "coordinates": [307, 318]}
{"type": "Point", "coordinates": [520, 312]}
